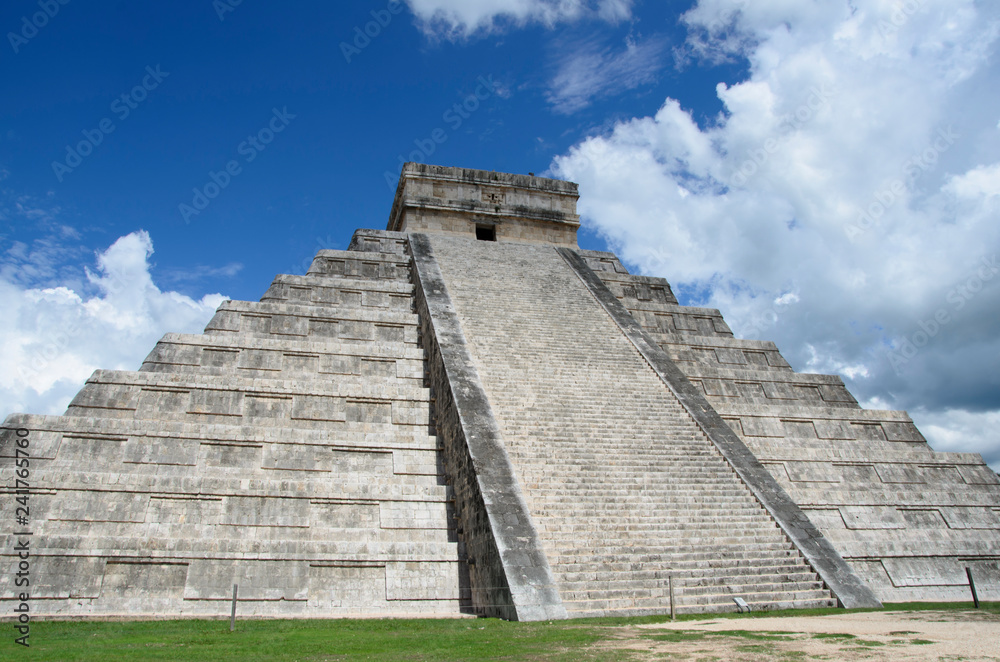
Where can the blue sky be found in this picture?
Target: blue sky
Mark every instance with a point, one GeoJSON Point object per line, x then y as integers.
{"type": "Point", "coordinates": [827, 173]}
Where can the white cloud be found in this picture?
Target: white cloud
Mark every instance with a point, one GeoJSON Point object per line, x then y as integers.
{"type": "Point", "coordinates": [587, 69]}
{"type": "Point", "coordinates": [52, 338]}
{"type": "Point", "coordinates": [463, 18]}
{"type": "Point", "coordinates": [958, 430]}
{"type": "Point", "coordinates": [857, 167]}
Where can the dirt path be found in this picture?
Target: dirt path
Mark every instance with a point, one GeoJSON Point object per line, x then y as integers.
{"type": "Point", "coordinates": [927, 635]}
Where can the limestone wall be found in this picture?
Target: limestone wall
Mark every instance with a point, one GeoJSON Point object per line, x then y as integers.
{"type": "Point", "coordinates": [908, 519]}
{"type": "Point", "coordinates": [291, 449]}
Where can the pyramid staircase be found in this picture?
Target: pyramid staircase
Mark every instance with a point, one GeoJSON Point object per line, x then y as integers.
{"type": "Point", "coordinates": [907, 519]}
{"type": "Point", "coordinates": [625, 489]}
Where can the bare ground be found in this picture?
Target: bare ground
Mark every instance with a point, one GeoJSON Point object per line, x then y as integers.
{"type": "Point", "coordinates": [925, 635]}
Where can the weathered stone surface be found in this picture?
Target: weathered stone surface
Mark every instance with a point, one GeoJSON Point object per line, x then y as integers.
{"type": "Point", "coordinates": [507, 207]}
{"type": "Point", "coordinates": [431, 424]}
{"type": "Point", "coordinates": [837, 575]}
{"type": "Point", "coordinates": [510, 574]}
{"type": "Point", "coordinates": [289, 450]}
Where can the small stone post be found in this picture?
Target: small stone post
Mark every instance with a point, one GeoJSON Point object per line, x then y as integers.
{"type": "Point", "coordinates": [670, 585]}
{"type": "Point", "coordinates": [232, 617]}
{"type": "Point", "coordinates": [972, 585]}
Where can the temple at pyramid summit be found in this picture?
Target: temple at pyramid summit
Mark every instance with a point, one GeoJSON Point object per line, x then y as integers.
{"type": "Point", "coordinates": [466, 414]}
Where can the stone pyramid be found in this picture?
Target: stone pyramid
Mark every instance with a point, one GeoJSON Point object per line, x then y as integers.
{"type": "Point", "coordinates": [465, 413]}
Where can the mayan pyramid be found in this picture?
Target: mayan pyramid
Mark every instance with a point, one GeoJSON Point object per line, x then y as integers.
{"type": "Point", "coordinates": [466, 414]}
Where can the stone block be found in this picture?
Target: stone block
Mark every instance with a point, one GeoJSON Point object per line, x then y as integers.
{"type": "Point", "coordinates": [754, 426]}
{"type": "Point", "coordinates": [295, 457]}
{"type": "Point", "coordinates": [289, 325]}
{"type": "Point", "coordinates": [219, 358]}
{"type": "Point", "coordinates": [42, 444]}
{"type": "Point", "coordinates": [816, 472]}
{"type": "Point", "coordinates": [923, 518]}
{"type": "Point", "coordinates": [54, 577]}
{"type": "Point", "coordinates": [834, 429]}
{"type": "Point", "coordinates": [265, 511]}
{"type": "Point", "coordinates": [826, 518]}
{"type": "Point", "coordinates": [231, 456]}
{"type": "Point", "coordinates": [368, 411]}
{"type": "Point", "coordinates": [105, 396]}
{"type": "Point", "coordinates": [301, 363]}
{"type": "Point", "coordinates": [265, 406]}
{"type": "Point", "coordinates": [872, 517]}
{"type": "Point", "coordinates": [901, 431]}
{"type": "Point", "coordinates": [162, 450]}
{"type": "Point", "coordinates": [971, 518]}
{"type": "Point", "coordinates": [100, 506]}
{"type": "Point", "coordinates": [185, 509]}
{"type": "Point", "coordinates": [319, 408]}
{"type": "Point", "coordinates": [80, 451]}
{"type": "Point", "coordinates": [162, 403]}
{"type": "Point", "coordinates": [900, 473]}
{"type": "Point", "coordinates": [257, 580]}
{"type": "Point", "coordinates": [359, 588]}
{"type": "Point", "coordinates": [978, 474]}
{"type": "Point", "coordinates": [421, 581]}
{"type": "Point", "coordinates": [219, 403]}
{"type": "Point", "coordinates": [345, 515]}
{"type": "Point", "coordinates": [917, 571]}
{"type": "Point", "coordinates": [143, 582]}
{"type": "Point", "coordinates": [257, 359]}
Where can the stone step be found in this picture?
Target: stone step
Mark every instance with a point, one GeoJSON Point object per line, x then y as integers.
{"type": "Point", "coordinates": [668, 555]}
{"type": "Point", "coordinates": [725, 605]}
{"type": "Point", "coordinates": [260, 402]}
{"type": "Point", "coordinates": [796, 572]}
{"type": "Point", "coordinates": [50, 431]}
{"type": "Point", "coordinates": [667, 479]}
{"type": "Point", "coordinates": [684, 494]}
{"type": "Point", "coordinates": [614, 470]}
{"type": "Point", "coordinates": [319, 550]}
{"type": "Point", "coordinates": [694, 564]}
{"type": "Point", "coordinates": [664, 516]}
{"type": "Point", "coordinates": [652, 525]}
{"type": "Point", "coordinates": [730, 542]}
{"type": "Point", "coordinates": [257, 357]}
{"type": "Point", "coordinates": [688, 594]}
{"type": "Point", "coordinates": [765, 601]}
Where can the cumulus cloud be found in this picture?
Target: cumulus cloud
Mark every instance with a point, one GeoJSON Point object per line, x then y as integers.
{"type": "Point", "coordinates": [845, 202]}
{"type": "Point", "coordinates": [962, 431]}
{"type": "Point", "coordinates": [52, 338]}
{"type": "Point", "coordinates": [587, 69]}
{"type": "Point", "coordinates": [462, 18]}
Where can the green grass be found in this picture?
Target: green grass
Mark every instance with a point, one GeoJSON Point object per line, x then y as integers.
{"type": "Point", "coordinates": [310, 640]}
{"type": "Point", "coordinates": [581, 640]}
